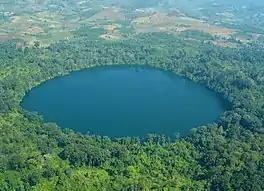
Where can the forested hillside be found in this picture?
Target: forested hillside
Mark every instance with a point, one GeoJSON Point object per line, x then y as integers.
{"type": "Point", "coordinates": [224, 156]}
{"type": "Point", "coordinates": [218, 44]}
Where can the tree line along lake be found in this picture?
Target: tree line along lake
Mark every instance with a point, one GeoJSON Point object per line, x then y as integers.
{"type": "Point", "coordinates": [120, 101]}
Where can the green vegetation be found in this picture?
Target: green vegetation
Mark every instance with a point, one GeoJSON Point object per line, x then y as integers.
{"type": "Point", "coordinates": [223, 156]}
{"type": "Point", "coordinates": [44, 39]}
{"type": "Point", "coordinates": [50, 21]}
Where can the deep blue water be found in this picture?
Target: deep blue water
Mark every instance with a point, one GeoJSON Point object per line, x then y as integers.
{"type": "Point", "coordinates": [119, 101]}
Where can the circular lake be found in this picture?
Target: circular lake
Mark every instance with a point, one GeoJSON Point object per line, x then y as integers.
{"type": "Point", "coordinates": [118, 101]}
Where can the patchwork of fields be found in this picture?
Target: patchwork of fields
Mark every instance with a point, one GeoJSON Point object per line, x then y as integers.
{"type": "Point", "coordinates": [48, 25]}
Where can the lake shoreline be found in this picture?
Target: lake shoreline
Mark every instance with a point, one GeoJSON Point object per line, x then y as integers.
{"type": "Point", "coordinates": [137, 68]}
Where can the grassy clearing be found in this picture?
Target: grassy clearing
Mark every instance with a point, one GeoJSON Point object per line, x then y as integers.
{"type": "Point", "coordinates": [108, 14]}
{"type": "Point", "coordinates": [224, 44]}
{"type": "Point", "coordinates": [110, 37]}
{"type": "Point", "coordinates": [163, 22]}
{"type": "Point", "coordinates": [53, 37]}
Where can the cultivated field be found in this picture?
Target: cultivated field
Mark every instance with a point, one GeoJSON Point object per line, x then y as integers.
{"type": "Point", "coordinates": [163, 22]}
{"type": "Point", "coordinates": [37, 23]}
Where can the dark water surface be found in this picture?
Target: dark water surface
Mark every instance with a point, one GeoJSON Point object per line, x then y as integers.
{"type": "Point", "coordinates": [124, 101]}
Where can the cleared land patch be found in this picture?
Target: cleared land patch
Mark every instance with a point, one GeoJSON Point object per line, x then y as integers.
{"type": "Point", "coordinates": [163, 22]}
{"type": "Point", "coordinates": [110, 37]}
{"type": "Point", "coordinates": [108, 14]}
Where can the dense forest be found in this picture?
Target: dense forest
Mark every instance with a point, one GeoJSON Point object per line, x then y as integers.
{"type": "Point", "coordinates": [228, 155]}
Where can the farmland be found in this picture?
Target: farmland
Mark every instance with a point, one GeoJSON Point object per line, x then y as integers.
{"type": "Point", "coordinates": [214, 45]}
{"type": "Point", "coordinates": [163, 22]}
{"type": "Point", "coordinates": [49, 23]}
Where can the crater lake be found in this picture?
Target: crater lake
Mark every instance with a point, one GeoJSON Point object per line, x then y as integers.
{"type": "Point", "coordinates": [120, 101]}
